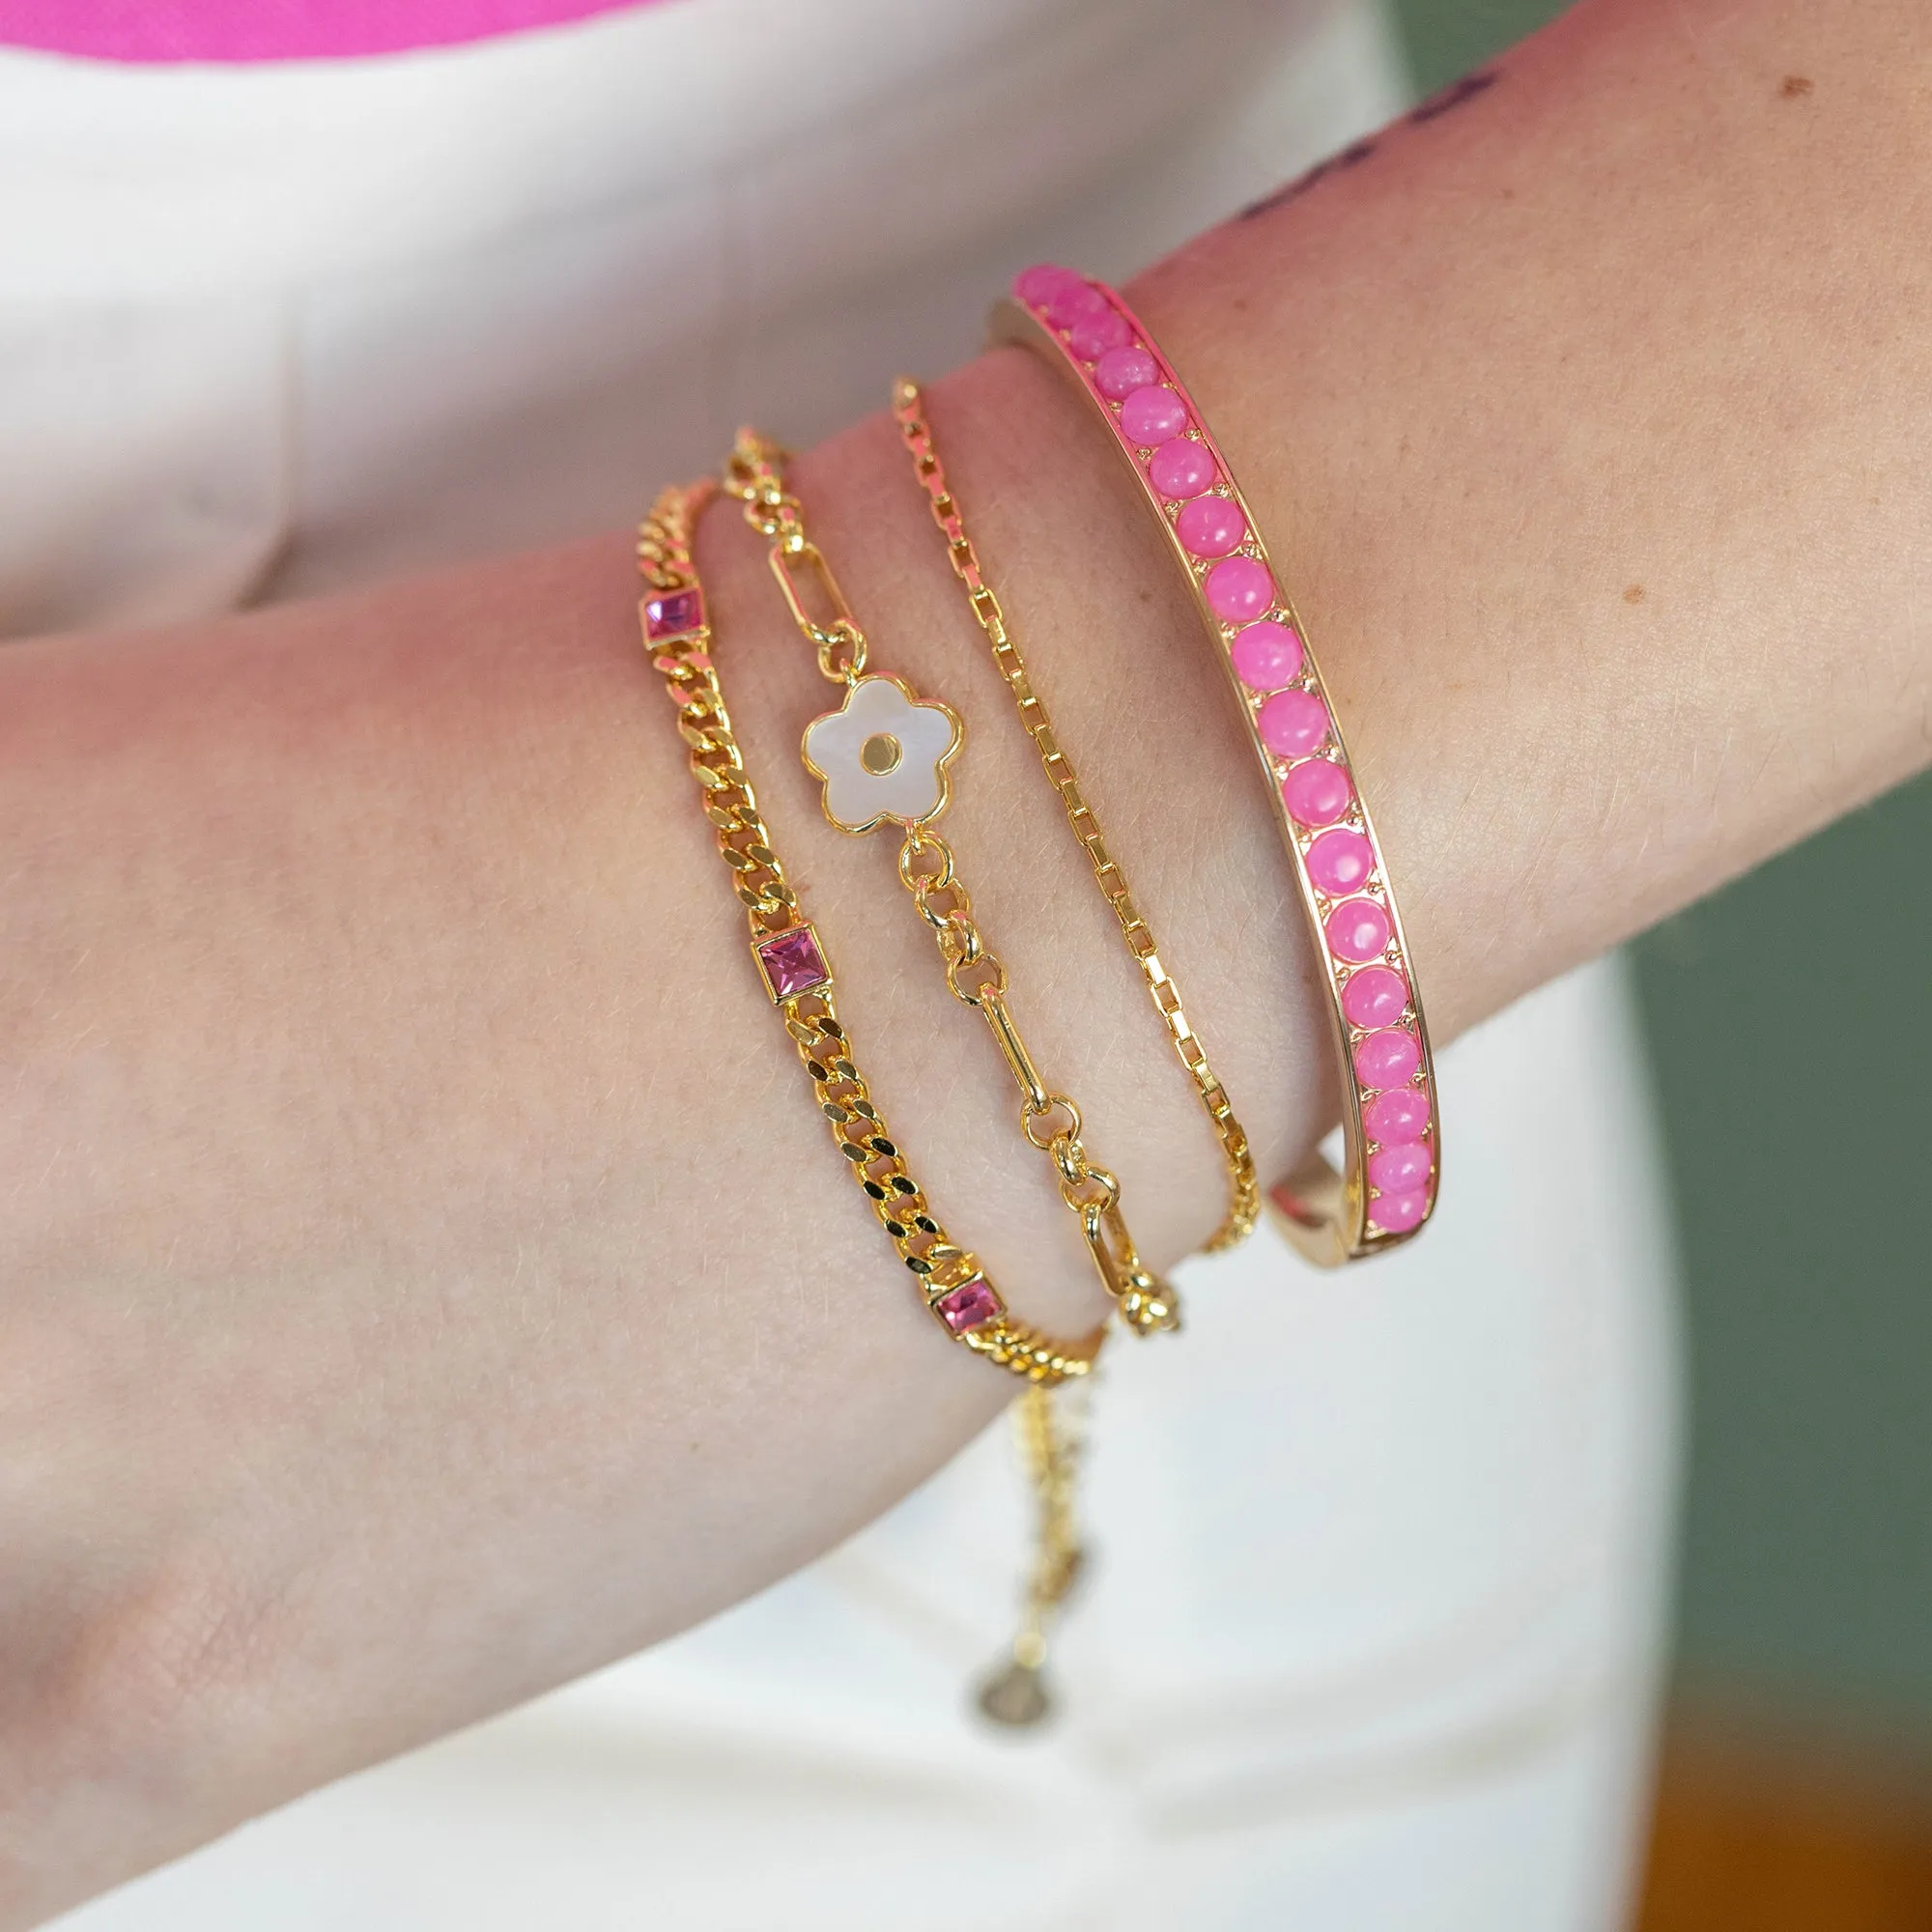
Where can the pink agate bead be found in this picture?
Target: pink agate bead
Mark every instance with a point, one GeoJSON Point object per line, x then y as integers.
{"type": "Point", "coordinates": [1358, 930]}
{"type": "Point", "coordinates": [1122, 371]}
{"type": "Point", "coordinates": [1038, 285]}
{"type": "Point", "coordinates": [1238, 587]}
{"type": "Point", "coordinates": [1396, 1170]}
{"type": "Point", "coordinates": [1210, 526]}
{"type": "Point", "coordinates": [1181, 466]}
{"type": "Point", "coordinates": [1316, 792]}
{"type": "Point", "coordinates": [1073, 302]}
{"type": "Point", "coordinates": [1340, 861]}
{"type": "Point", "coordinates": [1153, 414]}
{"type": "Point", "coordinates": [1265, 656]}
{"type": "Point", "coordinates": [1388, 1059]}
{"type": "Point", "coordinates": [1092, 335]}
{"type": "Point", "coordinates": [1398, 1214]}
{"type": "Point", "coordinates": [1378, 996]}
{"type": "Point", "coordinates": [1394, 1117]}
{"type": "Point", "coordinates": [1293, 724]}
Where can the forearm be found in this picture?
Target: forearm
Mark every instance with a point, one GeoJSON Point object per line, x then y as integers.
{"type": "Point", "coordinates": [427, 1277]}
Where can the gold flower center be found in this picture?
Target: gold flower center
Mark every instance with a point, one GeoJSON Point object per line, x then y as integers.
{"type": "Point", "coordinates": [880, 754]}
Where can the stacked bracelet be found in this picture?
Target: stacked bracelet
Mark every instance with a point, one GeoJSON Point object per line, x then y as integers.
{"type": "Point", "coordinates": [792, 964]}
{"type": "Point", "coordinates": [1392, 1162]}
{"type": "Point", "coordinates": [882, 758]}
{"type": "Point", "coordinates": [1244, 1192]}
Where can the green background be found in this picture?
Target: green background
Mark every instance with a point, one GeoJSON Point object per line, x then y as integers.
{"type": "Point", "coordinates": [1795, 1073]}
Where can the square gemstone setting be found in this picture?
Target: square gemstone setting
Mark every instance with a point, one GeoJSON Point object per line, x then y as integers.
{"type": "Point", "coordinates": [970, 1305]}
{"type": "Point", "coordinates": [792, 963]}
{"type": "Point", "coordinates": [673, 613]}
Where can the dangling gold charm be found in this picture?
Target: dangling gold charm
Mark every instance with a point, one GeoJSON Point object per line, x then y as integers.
{"type": "Point", "coordinates": [1017, 1694]}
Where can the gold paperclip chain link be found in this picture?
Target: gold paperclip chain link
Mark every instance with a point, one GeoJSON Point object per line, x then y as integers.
{"type": "Point", "coordinates": [774, 513]}
{"type": "Point", "coordinates": [1244, 1186]}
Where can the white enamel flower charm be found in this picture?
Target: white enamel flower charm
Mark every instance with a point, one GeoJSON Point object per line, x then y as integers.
{"type": "Point", "coordinates": [883, 755]}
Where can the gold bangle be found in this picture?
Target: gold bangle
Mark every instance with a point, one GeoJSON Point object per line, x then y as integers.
{"type": "Point", "coordinates": [882, 758]}
{"type": "Point", "coordinates": [790, 960]}
{"type": "Point", "coordinates": [1244, 1189]}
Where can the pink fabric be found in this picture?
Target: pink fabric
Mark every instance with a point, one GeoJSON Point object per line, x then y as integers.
{"type": "Point", "coordinates": [272, 30]}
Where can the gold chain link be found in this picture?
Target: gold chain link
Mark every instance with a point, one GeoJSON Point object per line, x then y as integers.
{"type": "Point", "coordinates": [755, 476]}
{"type": "Point", "coordinates": [774, 513]}
{"type": "Point", "coordinates": [872, 1157]}
{"type": "Point", "coordinates": [1244, 1186]}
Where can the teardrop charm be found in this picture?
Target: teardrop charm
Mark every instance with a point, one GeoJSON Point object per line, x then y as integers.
{"type": "Point", "coordinates": [1015, 1696]}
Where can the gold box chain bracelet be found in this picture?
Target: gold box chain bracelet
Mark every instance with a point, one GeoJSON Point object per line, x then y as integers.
{"type": "Point", "coordinates": [1244, 1198]}
{"type": "Point", "coordinates": [882, 758]}
{"type": "Point", "coordinates": [954, 1287]}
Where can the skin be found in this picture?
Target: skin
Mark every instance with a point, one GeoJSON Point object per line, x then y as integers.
{"type": "Point", "coordinates": [425, 1276]}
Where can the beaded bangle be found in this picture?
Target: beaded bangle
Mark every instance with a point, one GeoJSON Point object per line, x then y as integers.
{"type": "Point", "coordinates": [882, 758]}
{"type": "Point", "coordinates": [1244, 1192]}
{"type": "Point", "coordinates": [792, 964]}
{"type": "Point", "coordinates": [1392, 1162]}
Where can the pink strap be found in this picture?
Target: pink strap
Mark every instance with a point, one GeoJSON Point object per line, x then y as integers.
{"type": "Point", "coordinates": [272, 30]}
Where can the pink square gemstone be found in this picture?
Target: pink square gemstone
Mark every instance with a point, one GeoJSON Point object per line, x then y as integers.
{"type": "Point", "coordinates": [968, 1306]}
{"type": "Point", "coordinates": [676, 613]}
{"type": "Point", "coordinates": [793, 963]}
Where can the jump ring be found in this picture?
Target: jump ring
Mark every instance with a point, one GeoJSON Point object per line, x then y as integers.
{"type": "Point", "coordinates": [1100, 1204]}
{"type": "Point", "coordinates": [917, 845]}
{"type": "Point", "coordinates": [1030, 1117]}
{"type": "Point", "coordinates": [995, 981]}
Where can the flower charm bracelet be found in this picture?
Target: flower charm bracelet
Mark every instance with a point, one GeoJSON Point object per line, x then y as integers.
{"type": "Point", "coordinates": [883, 758]}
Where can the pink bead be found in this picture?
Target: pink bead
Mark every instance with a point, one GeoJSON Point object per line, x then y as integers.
{"type": "Point", "coordinates": [1340, 861]}
{"type": "Point", "coordinates": [1293, 724]}
{"type": "Point", "coordinates": [1357, 929]}
{"type": "Point", "coordinates": [1388, 1059]}
{"type": "Point", "coordinates": [1210, 526]}
{"type": "Point", "coordinates": [1378, 996]}
{"type": "Point", "coordinates": [1316, 793]}
{"type": "Point", "coordinates": [1038, 285]}
{"type": "Point", "coordinates": [1074, 301]}
{"type": "Point", "coordinates": [1397, 1117]}
{"type": "Point", "coordinates": [1180, 467]}
{"type": "Point", "coordinates": [1398, 1214]}
{"type": "Point", "coordinates": [1238, 587]}
{"type": "Point", "coordinates": [1153, 414]}
{"type": "Point", "coordinates": [1092, 335]}
{"type": "Point", "coordinates": [1267, 656]}
{"type": "Point", "coordinates": [1122, 371]}
{"type": "Point", "coordinates": [1396, 1170]}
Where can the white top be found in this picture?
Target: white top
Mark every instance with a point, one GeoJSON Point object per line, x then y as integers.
{"type": "Point", "coordinates": [1370, 1636]}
